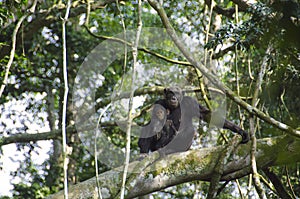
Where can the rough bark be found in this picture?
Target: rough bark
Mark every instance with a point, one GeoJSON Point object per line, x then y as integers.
{"type": "Point", "coordinates": [188, 166]}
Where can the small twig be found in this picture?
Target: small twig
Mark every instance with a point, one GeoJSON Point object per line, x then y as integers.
{"type": "Point", "coordinates": [289, 182]}
{"type": "Point", "coordinates": [88, 11]}
{"type": "Point", "coordinates": [239, 188]}
{"type": "Point", "coordinates": [211, 6]}
{"type": "Point", "coordinates": [284, 105]}
{"type": "Point", "coordinates": [249, 67]}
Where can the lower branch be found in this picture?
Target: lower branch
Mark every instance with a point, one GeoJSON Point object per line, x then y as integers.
{"type": "Point", "coordinates": [188, 166]}
{"type": "Point", "coordinates": [281, 191]}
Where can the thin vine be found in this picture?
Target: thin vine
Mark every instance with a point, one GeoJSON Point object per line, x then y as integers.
{"type": "Point", "coordinates": [130, 115]}
{"type": "Point", "coordinates": [66, 91]}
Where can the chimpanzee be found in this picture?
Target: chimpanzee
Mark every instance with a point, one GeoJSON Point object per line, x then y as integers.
{"type": "Point", "coordinates": [174, 131]}
{"type": "Point", "coordinates": [159, 132]}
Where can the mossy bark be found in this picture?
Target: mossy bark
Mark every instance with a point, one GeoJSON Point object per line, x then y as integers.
{"type": "Point", "coordinates": [178, 168]}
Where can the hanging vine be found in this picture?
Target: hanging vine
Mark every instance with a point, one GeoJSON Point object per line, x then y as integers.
{"type": "Point", "coordinates": [66, 91]}
{"type": "Point", "coordinates": [130, 106]}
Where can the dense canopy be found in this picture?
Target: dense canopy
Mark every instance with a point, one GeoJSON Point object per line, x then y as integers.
{"type": "Point", "coordinates": [78, 78]}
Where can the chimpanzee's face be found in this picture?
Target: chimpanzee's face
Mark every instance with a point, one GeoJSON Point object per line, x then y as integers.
{"type": "Point", "coordinates": [173, 96]}
{"type": "Point", "coordinates": [160, 114]}
{"type": "Point", "coordinates": [172, 100]}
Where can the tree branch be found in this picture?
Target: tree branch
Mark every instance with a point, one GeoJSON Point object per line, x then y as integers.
{"type": "Point", "coordinates": [115, 39]}
{"type": "Point", "coordinates": [45, 18]}
{"type": "Point", "coordinates": [214, 79]}
{"type": "Point", "coordinates": [12, 53]}
{"type": "Point", "coordinates": [281, 190]}
{"type": "Point", "coordinates": [33, 137]}
{"type": "Point", "coordinates": [256, 179]}
{"type": "Point", "coordinates": [188, 166]}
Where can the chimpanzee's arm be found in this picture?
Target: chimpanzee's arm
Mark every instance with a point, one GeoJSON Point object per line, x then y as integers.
{"type": "Point", "coordinates": [145, 140]}
{"type": "Point", "coordinates": [205, 115]}
{"type": "Point", "coordinates": [144, 145]}
{"type": "Point", "coordinates": [231, 126]}
{"type": "Point", "coordinates": [235, 128]}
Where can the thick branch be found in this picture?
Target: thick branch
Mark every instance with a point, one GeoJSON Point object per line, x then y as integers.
{"type": "Point", "coordinates": [282, 192]}
{"type": "Point", "coordinates": [188, 166]}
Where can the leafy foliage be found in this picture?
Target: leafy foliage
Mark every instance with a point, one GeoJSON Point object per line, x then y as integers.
{"type": "Point", "coordinates": [33, 96]}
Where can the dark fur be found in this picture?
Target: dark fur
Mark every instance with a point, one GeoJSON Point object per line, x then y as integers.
{"type": "Point", "coordinates": [178, 136]}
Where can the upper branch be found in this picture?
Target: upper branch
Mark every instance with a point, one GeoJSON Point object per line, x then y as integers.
{"type": "Point", "coordinates": [189, 56]}
{"type": "Point", "coordinates": [44, 18]}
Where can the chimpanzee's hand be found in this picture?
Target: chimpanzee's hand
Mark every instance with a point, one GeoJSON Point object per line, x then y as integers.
{"type": "Point", "coordinates": [162, 153]}
{"type": "Point", "coordinates": [245, 136]}
{"type": "Point", "coordinates": [142, 156]}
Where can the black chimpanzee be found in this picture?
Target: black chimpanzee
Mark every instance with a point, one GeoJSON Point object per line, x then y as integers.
{"type": "Point", "coordinates": [171, 129]}
{"type": "Point", "coordinates": [159, 132]}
